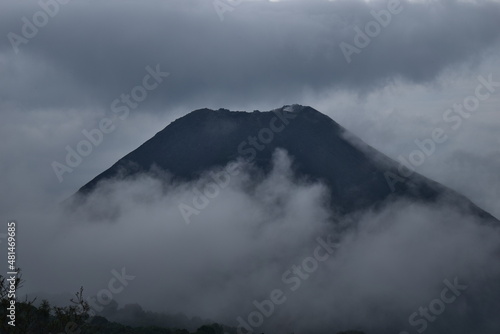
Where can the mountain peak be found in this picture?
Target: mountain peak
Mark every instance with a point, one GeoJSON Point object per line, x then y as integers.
{"type": "Point", "coordinates": [291, 108]}
{"type": "Point", "coordinates": [206, 139]}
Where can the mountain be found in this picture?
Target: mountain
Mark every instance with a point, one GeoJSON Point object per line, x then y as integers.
{"type": "Point", "coordinates": [358, 176]}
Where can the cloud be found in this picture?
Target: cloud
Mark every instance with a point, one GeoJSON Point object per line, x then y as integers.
{"type": "Point", "coordinates": [388, 263]}
{"type": "Point", "coordinates": [263, 51]}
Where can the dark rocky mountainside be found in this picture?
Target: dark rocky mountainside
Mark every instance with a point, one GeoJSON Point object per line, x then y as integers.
{"type": "Point", "coordinates": [358, 176]}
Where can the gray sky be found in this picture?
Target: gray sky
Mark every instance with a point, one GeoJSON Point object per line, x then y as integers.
{"type": "Point", "coordinates": [263, 55]}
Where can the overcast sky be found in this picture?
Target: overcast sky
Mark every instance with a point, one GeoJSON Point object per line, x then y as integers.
{"type": "Point", "coordinates": [62, 77]}
{"type": "Point", "coordinates": [261, 56]}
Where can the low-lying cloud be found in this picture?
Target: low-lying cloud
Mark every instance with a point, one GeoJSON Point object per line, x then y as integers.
{"type": "Point", "coordinates": [386, 265]}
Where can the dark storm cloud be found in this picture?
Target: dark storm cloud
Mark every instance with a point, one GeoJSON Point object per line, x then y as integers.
{"type": "Point", "coordinates": [91, 52]}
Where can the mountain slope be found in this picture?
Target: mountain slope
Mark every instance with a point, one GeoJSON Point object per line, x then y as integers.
{"type": "Point", "coordinates": [358, 176]}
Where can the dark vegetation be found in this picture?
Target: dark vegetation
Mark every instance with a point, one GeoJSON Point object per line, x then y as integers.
{"type": "Point", "coordinates": [43, 318]}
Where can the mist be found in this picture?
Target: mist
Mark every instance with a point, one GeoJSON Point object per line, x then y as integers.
{"type": "Point", "coordinates": [383, 265]}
